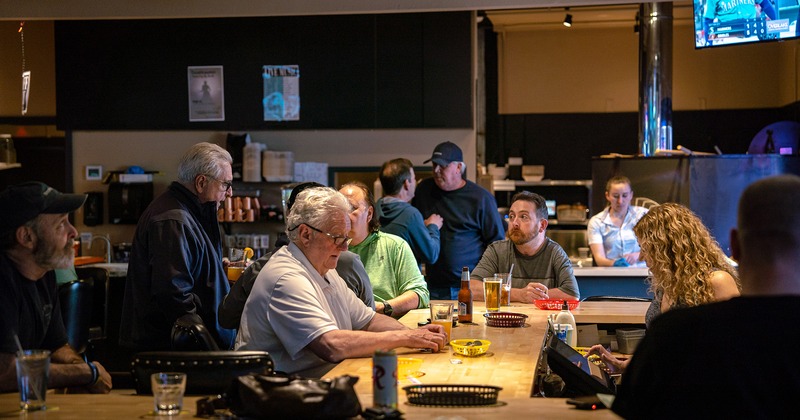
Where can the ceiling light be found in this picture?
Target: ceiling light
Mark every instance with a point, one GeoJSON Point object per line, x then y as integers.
{"type": "Point", "coordinates": [568, 20]}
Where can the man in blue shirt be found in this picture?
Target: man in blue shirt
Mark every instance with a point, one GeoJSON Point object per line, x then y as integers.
{"type": "Point", "coordinates": [471, 221]}
{"type": "Point", "coordinates": [399, 217]}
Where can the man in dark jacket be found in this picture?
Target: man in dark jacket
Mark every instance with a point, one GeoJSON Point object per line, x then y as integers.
{"type": "Point", "coordinates": [176, 267]}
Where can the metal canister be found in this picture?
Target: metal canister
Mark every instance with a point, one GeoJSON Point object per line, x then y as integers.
{"type": "Point", "coordinates": [384, 379]}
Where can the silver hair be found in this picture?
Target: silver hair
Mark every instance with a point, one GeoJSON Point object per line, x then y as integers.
{"type": "Point", "coordinates": [463, 168]}
{"type": "Point", "coordinates": [202, 159]}
{"type": "Point", "coordinates": [315, 207]}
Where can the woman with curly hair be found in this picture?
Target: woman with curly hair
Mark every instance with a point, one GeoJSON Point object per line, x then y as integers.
{"type": "Point", "coordinates": [687, 265]}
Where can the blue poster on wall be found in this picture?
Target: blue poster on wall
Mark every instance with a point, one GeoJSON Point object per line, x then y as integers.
{"type": "Point", "coordinates": [281, 93]}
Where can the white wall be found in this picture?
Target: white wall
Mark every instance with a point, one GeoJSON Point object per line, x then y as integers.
{"type": "Point", "coordinates": [596, 70]}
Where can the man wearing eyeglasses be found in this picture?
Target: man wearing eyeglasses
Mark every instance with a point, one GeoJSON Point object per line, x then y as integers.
{"type": "Point", "coordinates": [175, 268]}
{"type": "Point", "coordinates": [301, 311]}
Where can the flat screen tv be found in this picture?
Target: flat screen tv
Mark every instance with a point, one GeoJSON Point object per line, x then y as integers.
{"type": "Point", "coordinates": [730, 22]}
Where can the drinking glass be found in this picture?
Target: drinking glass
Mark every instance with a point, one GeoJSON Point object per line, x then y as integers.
{"type": "Point", "coordinates": [235, 269]}
{"type": "Point", "coordinates": [442, 314]}
{"type": "Point", "coordinates": [505, 288]}
{"type": "Point", "coordinates": [33, 369]}
{"type": "Point", "coordinates": [491, 293]}
{"type": "Point", "coordinates": [168, 389]}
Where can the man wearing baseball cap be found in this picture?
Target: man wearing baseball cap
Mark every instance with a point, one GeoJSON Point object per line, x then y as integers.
{"type": "Point", "coordinates": [471, 220]}
{"type": "Point", "coordinates": [35, 238]}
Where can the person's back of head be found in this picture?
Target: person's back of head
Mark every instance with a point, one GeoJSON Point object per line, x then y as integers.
{"type": "Point", "coordinates": [202, 159]}
{"type": "Point", "coordinates": [767, 237]}
{"type": "Point", "coordinates": [394, 174]}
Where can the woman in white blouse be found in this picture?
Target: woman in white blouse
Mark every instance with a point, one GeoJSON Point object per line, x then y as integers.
{"type": "Point", "coordinates": [610, 232]}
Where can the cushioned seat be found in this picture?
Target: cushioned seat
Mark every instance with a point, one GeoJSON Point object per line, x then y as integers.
{"type": "Point", "coordinates": [207, 372]}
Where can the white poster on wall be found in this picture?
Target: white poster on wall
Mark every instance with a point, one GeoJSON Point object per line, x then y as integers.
{"type": "Point", "coordinates": [26, 90]}
{"type": "Point", "coordinates": [281, 93]}
{"type": "Point", "coordinates": [206, 93]}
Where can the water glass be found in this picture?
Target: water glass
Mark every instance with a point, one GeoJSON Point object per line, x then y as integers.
{"type": "Point", "coordinates": [168, 390]}
{"type": "Point", "coordinates": [491, 293]}
{"type": "Point", "coordinates": [505, 288]}
{"type": "Point", "coordinates": [33, 370]}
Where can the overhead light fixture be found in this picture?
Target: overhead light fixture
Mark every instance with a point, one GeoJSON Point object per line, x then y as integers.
{"type": "Point", "coordinates": [568, 19]}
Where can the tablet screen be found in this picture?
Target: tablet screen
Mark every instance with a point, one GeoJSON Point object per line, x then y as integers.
{"type": "Point", "coordinates": [581, 376]}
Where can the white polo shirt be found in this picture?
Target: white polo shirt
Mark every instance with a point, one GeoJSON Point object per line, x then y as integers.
{"type": "Point", "coordinates": [291, 305]}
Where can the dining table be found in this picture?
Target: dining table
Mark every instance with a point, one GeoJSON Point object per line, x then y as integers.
{"type": "Point", "coordinates": [510, 363]}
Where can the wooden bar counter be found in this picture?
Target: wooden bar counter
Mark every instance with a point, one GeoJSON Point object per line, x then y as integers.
{"type": "Point", "coordinates": [510, 362]}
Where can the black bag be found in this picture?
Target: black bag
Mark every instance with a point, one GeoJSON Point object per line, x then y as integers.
{"type": "Point", "coordinates": [280, 396]}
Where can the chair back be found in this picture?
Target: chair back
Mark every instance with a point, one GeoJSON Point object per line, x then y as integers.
{"type": "Point", "coordinates": [615, 299]}
{"type": "Point", "coordinates": [75, 299]}
{"type": "Point", "coordinates": [190, 334]}
{"type": "Point", "coordinates": [100, 283]}
{"type": "Point", "coordinates": [644, 202]}
{"type": "Point", "coordinates": [207, 372]}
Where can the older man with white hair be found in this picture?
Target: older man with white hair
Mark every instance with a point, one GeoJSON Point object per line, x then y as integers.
{"type": "Point", "coordinates": [301, 311]}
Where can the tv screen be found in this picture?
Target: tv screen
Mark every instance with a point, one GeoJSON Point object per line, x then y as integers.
{"type": "Point", "coordinates": [729, 22]}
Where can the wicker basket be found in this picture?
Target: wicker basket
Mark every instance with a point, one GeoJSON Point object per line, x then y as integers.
{"type": "Point", "coordinates": [452, 395]}
{"type": "Point", "coordinates": [505, 319]}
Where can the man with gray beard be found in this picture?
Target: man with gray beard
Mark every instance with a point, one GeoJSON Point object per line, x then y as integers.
{"type": "Point", "coordinates": [36, 237]}
{"type": "Point", "coordinates": [542, 269]}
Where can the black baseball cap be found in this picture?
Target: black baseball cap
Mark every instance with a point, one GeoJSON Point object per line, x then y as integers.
{"type": "Point", "coordinates": [23, 202]}
{"type": "Point", "coordinates": [446, 152]}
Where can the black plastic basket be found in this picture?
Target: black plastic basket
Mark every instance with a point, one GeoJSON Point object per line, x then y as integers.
{"type": "Point", "coordinates": [452, 395]}
{"type": "Point", "coordinates": [505, 319]}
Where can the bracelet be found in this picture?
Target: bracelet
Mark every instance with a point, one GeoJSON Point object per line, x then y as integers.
{"type": "Point", "coordinates": [95, 375]}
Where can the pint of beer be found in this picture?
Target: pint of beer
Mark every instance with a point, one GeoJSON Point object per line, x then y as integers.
{"type": "Point", "coordinates": [491, 293]}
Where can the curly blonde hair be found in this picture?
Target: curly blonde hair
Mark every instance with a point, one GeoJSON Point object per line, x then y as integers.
{"type": "Point", "coordinates": [681, 254]}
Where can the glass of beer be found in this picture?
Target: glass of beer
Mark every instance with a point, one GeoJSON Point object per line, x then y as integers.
{"type": "Point", "coordinates": [491, 293]}
{"type": "Point", "coordinates": [442, 314]}
{"type": "Point", "coordinates": [505, 288]}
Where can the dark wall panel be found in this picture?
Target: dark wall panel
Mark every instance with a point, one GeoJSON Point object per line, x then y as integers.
{"type": "Point", "coordinates": [566, 143]}
{"type": "Point", "coordinates": [356, 71]}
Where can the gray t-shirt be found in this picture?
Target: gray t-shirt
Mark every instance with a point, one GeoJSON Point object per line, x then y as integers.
{"type": "Point", "coordinates": [550, 266]}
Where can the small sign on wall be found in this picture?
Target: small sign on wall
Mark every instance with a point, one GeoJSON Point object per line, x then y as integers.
{"type": "Point", "coordinates": [206, 93]}
{"type": "Point", "coordinates": [281, 93]}
{"type": "Point", "coordinates": [26, 90]}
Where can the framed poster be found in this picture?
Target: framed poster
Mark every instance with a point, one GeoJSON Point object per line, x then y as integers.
{"type": "Point", "coordinates": [26, 90]}
{"type": "Point", "coordinates": [206, 93]}
{"type": "Point", "coordinates": [281, 93]}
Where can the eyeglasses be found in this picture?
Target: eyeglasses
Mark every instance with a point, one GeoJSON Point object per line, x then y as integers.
{"type": "Point", "coordinates": [227, 185]}
{"type": "Point", "coordinates": [338, 240]}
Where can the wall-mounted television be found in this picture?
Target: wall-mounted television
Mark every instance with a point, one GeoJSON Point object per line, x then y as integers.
{"type": "Point", "coordinates": [730, 22]}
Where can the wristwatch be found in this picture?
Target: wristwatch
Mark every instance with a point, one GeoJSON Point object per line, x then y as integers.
{"type": "Point", "coordinates": [387, 309]}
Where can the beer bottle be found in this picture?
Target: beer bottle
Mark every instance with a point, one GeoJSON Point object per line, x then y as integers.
{"type": "Point", "coordinates": [465, 298]}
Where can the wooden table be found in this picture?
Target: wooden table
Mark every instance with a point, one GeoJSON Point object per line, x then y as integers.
{"type": "Point", "coordinates": [510, 362]}
{"type": "Point", "coordinates": [124, 405]}
{"type": "Point", "coordinates": [120, 404]}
